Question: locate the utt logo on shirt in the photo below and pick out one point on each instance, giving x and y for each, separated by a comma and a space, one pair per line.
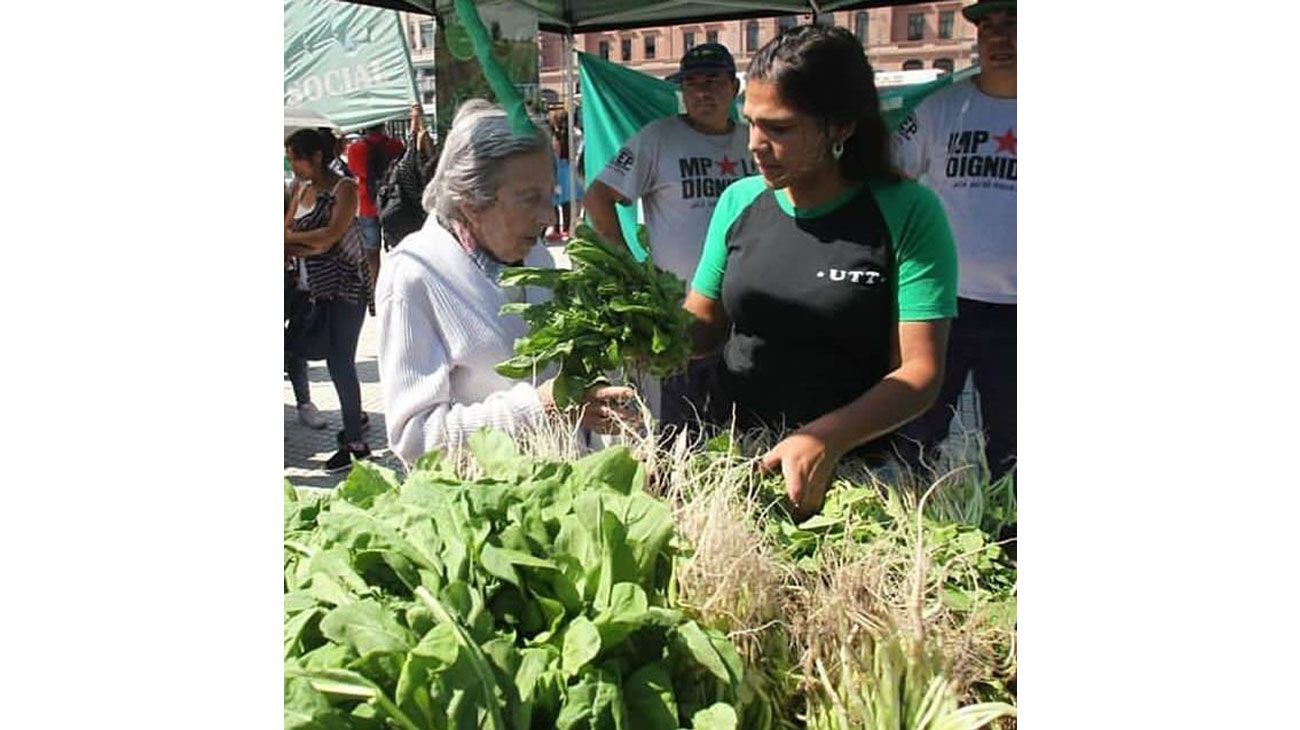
969, 156
866, 278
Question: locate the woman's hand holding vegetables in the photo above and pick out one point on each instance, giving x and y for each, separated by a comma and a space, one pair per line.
807, 461
602, 408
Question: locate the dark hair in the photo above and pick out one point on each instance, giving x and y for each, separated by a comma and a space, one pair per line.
331, 142
306, 142
823, 72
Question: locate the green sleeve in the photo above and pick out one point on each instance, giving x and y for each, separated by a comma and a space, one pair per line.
713, 260
924, 252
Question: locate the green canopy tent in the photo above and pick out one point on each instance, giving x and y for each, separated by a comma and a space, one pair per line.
346, 66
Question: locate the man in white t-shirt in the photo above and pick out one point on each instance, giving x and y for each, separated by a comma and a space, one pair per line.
961, 142
678, 167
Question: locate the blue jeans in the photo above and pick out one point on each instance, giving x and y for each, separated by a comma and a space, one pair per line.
371, 234
345, 320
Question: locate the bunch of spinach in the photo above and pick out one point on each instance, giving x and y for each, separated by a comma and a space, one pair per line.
976, 569
975, 566
609, 312
535, 597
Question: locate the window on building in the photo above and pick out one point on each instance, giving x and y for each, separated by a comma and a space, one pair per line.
711, 36
915, 26
913, 65
751, 36
688, 40
945, 23
649, 46
944, 64
604, 50
786, 22
430, 97
426, 34
860, 26
626, 48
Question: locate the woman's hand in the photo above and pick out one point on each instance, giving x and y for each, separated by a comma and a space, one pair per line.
602, 407
605, 408
808, 457
808, 461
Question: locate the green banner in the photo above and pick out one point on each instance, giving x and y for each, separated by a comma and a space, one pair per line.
346, 63
617, 101
511, 29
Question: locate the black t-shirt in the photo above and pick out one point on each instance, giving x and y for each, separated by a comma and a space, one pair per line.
815, 297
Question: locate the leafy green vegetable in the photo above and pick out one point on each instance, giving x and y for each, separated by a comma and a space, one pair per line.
533, 597
717, 717
543, 595
609, 313
855, 514
581, 645
692, 640
648, 693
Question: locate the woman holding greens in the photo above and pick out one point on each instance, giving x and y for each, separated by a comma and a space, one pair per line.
827, 280
441, 333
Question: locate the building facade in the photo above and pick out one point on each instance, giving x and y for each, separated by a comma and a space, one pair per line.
913, 37
419, 41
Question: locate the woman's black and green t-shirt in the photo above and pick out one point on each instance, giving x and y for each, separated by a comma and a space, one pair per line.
815, 296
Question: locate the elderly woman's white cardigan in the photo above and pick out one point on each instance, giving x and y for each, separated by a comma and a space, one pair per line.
440, 335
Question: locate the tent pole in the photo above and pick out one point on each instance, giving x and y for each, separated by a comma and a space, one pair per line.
568, 108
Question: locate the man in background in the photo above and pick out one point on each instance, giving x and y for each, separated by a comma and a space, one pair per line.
961, 142
678, 167
368, 160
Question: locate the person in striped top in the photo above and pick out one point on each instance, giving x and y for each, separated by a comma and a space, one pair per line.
320, 231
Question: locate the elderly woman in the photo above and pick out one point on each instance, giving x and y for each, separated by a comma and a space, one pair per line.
440, 328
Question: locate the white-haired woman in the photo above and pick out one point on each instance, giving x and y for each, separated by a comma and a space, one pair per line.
440, 328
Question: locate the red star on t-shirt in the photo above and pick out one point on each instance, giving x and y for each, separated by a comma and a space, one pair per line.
1007, 142
728, 166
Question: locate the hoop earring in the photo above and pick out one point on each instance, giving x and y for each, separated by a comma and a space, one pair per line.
837, 150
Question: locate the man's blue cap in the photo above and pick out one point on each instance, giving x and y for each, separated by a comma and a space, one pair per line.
705, 57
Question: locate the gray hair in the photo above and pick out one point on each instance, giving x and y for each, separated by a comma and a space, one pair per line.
469, 171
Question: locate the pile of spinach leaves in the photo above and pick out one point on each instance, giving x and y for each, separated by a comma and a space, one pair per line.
535, 597
609, 313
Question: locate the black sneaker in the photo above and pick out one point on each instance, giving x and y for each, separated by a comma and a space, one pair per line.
342, 459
